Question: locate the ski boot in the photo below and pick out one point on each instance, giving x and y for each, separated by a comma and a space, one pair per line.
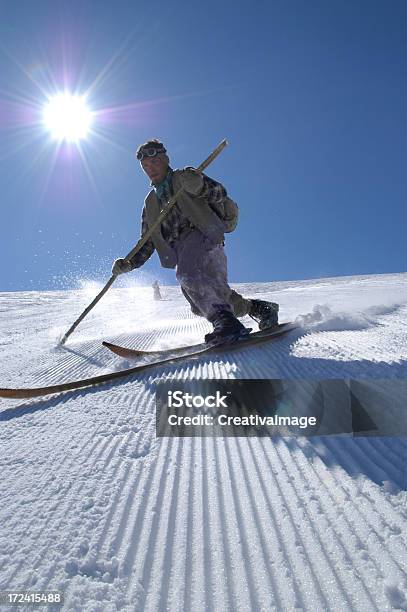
264, 313
226, 328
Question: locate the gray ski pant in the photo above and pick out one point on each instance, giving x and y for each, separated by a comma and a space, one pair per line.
202, 274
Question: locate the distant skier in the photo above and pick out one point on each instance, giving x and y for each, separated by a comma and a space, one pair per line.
191, 239
157, 292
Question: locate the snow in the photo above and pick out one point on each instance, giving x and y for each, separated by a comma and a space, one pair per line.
94, 505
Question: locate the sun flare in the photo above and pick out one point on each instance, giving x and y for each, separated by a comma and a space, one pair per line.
67, 117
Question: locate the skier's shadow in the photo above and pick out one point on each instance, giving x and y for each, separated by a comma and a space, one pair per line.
81, 354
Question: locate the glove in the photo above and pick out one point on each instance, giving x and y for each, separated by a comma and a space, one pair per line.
192, 182
120, 266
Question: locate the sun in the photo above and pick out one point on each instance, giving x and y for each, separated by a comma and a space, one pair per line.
67, 117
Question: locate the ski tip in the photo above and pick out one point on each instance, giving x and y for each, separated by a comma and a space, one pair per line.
16, 393
6, 393
113, 347
122, 351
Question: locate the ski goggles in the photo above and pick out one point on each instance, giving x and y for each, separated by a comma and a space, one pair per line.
150, 152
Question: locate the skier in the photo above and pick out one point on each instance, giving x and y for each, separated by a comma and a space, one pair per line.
191, 239
156, 289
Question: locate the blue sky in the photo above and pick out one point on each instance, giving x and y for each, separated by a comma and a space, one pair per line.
311, 96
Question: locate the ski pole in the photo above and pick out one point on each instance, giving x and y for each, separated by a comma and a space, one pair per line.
143, 240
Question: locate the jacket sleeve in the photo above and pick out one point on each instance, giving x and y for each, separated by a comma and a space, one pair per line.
146, 250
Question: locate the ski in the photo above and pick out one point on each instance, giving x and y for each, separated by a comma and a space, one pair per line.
255, 338
130, 353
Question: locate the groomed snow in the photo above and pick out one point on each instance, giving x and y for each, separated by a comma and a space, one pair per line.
94, 505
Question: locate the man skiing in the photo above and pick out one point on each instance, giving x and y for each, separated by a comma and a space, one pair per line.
156, 289
191, 239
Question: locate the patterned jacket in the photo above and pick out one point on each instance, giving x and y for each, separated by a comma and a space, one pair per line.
213, 193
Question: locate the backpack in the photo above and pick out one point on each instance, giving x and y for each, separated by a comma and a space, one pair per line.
231, 215
230, 207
